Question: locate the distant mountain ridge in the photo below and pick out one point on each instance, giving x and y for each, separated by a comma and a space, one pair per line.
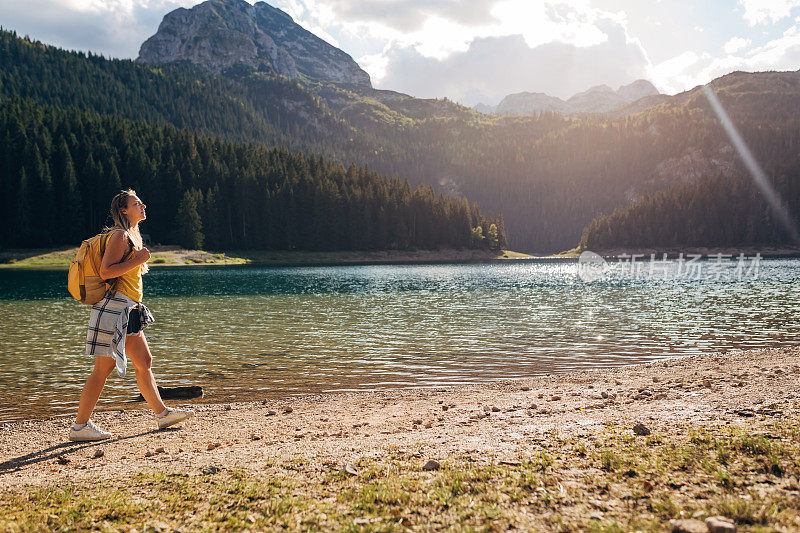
598, 99
220, 34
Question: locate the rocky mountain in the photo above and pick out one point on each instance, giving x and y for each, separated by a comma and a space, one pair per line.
220, 34
525, 103
636, 90
599, 99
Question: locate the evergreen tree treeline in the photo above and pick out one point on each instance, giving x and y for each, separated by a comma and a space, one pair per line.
712, 212
59, 169
549, 175
236, 106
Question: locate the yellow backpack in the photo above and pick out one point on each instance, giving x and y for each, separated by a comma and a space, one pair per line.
84, 281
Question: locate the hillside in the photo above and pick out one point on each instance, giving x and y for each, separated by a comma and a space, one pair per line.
549, 175
715, 212
62, 166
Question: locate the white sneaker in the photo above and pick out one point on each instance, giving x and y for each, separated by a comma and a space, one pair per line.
88, 432
173, 416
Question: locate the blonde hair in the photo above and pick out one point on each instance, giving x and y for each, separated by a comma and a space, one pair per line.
118, 203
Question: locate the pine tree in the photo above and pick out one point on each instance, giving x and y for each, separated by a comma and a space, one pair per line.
22, 217
492, 240
478, 240
188, 223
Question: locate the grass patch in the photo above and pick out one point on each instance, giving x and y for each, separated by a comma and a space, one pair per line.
161, 255
612, 481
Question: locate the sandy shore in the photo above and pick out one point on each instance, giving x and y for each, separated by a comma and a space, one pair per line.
501, 424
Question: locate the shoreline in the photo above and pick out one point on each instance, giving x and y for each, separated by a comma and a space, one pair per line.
174, 256
166, 256
707, 252
548, 453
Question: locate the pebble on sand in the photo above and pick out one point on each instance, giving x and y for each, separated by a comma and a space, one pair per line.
720, 524
688, 525
431, 465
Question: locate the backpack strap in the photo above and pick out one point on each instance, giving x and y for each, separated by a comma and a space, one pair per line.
103, 243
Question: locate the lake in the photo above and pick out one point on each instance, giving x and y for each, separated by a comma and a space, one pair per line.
246, 332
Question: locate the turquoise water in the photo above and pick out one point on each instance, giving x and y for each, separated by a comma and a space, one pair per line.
251, 332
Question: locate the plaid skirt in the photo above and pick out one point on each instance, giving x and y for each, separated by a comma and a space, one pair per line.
108, 327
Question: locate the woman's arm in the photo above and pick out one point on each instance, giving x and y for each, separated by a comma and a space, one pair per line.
111, 267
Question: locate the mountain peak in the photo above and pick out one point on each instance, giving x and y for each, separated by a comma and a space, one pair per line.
599, 89
597, 99
219, 34
637, 89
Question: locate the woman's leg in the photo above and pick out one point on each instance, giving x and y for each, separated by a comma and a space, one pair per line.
103, 366
137, 349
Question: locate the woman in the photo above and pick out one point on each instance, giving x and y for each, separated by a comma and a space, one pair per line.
116, 322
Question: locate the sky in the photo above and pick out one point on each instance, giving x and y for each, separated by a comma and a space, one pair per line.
478, 51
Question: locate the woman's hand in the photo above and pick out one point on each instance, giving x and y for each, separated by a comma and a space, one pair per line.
141, 256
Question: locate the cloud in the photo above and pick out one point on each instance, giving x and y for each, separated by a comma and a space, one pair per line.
374, 64
691, 69
517, 45
677, 73
782, 53
114, 28
438, 35
765, 11
406, 16
735, 44
493, 67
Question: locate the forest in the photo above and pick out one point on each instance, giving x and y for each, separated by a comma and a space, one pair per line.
59, 169
550, 176
713, 212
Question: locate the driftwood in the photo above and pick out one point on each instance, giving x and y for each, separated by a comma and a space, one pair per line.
176, 393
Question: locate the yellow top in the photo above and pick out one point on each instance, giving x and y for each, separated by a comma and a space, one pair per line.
130, 283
